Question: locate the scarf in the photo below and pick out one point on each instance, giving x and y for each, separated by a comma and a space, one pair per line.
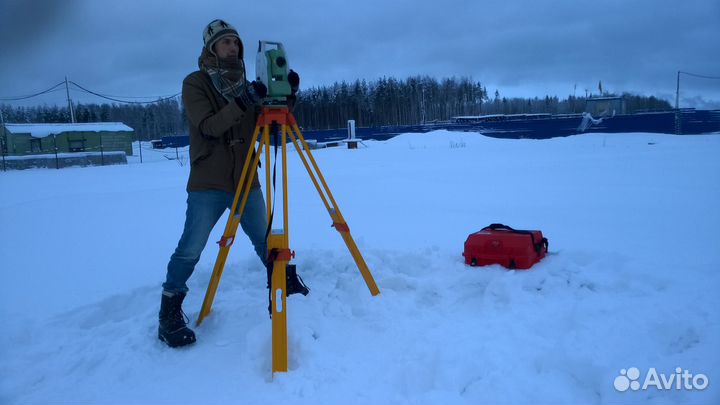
227, 74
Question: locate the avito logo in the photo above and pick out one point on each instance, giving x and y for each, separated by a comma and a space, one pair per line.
679, 380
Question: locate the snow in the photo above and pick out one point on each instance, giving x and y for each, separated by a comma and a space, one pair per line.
632, 280
45, 130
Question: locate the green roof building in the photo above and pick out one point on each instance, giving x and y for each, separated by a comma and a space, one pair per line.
39, 139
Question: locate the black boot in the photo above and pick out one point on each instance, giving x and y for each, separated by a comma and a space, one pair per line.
294, 283
173, 328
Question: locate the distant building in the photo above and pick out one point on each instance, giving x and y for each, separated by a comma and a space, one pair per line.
39, 139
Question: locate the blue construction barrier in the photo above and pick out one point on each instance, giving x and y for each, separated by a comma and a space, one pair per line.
531, 126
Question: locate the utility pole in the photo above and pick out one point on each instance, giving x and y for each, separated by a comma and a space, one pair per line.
423, 105
140, 147
678, 117
677, 92
70, 106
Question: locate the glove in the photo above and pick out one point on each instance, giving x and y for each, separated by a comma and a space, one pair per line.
294, 81
252, 94
258, 91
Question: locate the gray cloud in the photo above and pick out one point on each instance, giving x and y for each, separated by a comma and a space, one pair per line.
522, 47
24, 23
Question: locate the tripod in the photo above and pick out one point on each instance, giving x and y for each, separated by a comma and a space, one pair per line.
279, 122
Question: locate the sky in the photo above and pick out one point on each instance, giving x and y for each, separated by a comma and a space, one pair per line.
521, 48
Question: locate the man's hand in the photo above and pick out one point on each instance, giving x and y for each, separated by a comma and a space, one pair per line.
257, 91
253, 94
294, 81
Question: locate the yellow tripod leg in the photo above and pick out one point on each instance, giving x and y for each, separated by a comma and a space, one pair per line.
280, 243
231, 226
279, 303
332, 207
342, 227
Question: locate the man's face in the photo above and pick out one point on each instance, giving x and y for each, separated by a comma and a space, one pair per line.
227, 47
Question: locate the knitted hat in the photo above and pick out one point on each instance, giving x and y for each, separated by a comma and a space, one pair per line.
218, 29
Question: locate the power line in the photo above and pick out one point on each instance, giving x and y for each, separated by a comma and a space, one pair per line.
126, 97
677, 91
700, 76
32, 95
119, 100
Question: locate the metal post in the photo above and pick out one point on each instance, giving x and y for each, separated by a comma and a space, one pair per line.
57, 161
678, 117
574, 99
677, 92
70, 106
2, 145
3, 139
140, 147
102, 153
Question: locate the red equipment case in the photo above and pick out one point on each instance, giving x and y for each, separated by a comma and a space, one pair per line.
501, 244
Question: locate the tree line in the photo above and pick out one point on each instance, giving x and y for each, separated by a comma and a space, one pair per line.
422, 99
149, 121
386, 101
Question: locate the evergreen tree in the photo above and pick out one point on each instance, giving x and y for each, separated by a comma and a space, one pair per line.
385, 101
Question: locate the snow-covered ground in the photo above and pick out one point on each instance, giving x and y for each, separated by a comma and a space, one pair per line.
634, 227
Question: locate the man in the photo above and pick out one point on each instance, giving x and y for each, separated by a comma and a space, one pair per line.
222, 108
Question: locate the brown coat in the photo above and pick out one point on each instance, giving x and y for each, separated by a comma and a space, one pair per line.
220, 135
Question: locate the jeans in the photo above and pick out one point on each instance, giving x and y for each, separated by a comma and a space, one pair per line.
204, 208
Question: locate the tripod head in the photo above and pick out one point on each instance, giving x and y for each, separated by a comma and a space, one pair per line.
271, 68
